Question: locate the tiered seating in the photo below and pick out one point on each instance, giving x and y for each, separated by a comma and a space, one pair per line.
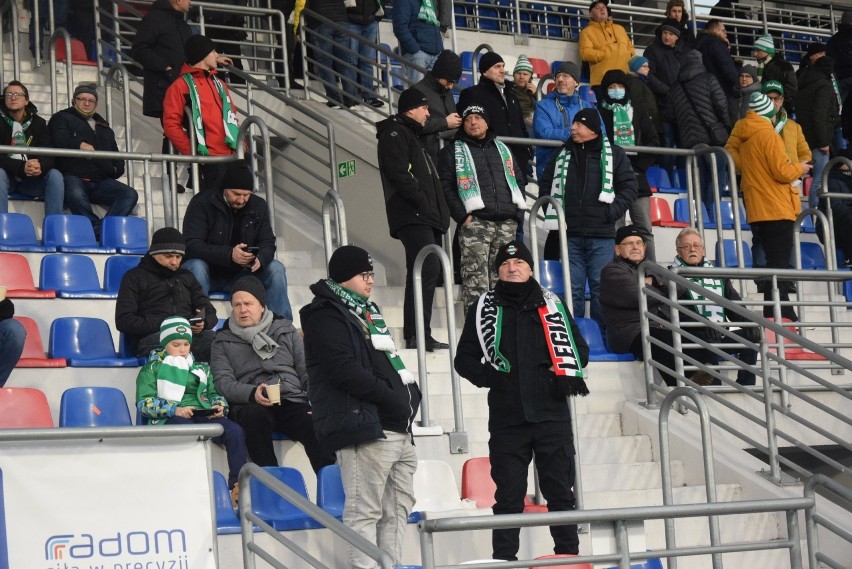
813, 257
597, 347
85, 342
33, 354
275, 510
792, 351
114, 271
661, 214
16, 276
127, 235
227, 521
659, 181
71, 234
330, 495
478, 486
550, 276
71, 276
78, 53
17, 233
94, 407
731, 254
24, 408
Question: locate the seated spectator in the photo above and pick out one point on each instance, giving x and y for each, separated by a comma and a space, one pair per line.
95, 180
12, 337
157, 288
34, 175
229, 235
214, 115
176, 389
524, 89
839, 182
255, 350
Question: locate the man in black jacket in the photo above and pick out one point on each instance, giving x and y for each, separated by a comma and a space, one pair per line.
437, 86
713, 44
229, 235
158, 288
414, 200
364, 401
521, 343
94, 180
771, 66
595, 183
839, 47
481, 187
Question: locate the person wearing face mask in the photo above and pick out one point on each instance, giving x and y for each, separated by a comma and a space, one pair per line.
627, 124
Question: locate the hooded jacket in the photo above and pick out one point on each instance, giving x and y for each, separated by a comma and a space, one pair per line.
718, 61
698, 100
605, 46
794, 142
413, 193
158, 44
552, 121
69, 128
441, 105
818, 112
355, 392
175, 123
37, 134
777, 69
585, 215
766, 171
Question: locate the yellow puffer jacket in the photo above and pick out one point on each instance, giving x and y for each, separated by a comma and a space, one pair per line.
605, 46
759, 154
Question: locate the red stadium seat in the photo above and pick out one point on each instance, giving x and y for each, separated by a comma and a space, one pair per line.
478, 486
33, 354
661, 214
792, 351
24, 408
78, 52
568, 566
15, 275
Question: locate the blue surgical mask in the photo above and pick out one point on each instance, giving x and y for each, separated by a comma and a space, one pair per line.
615, 94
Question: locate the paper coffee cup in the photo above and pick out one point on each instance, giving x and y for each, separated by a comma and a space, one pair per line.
2, 293
273, 393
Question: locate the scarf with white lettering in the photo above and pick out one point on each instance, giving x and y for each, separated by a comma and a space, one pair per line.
622, 123
711, 312
780, 120
18, 136
560, 180
368, 312
468, 183
427, 12
557, 333
229, 119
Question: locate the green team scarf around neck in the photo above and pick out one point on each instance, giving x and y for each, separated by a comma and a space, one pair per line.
622, 123
711, 312
427, 13
18, 128
560, 180
229, 119
467, 182
836, 86
380, 336
781, 120
557, 333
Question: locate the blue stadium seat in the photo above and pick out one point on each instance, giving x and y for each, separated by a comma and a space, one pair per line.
807, 223
85, 342
125, 352
682, 213
652, 563
588, 94
94, 407
727, 214
813, 257
71, 276
15, 275
488, 17
330, 496
71, 234
731, 254
127, 235
550, 276
17, 233
114, 271
658, 178
847, 292
275, 510
227, 522
597, 348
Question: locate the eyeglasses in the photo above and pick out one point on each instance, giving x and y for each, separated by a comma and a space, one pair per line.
85, 100
367, 276
690, 247
15, 95
634, 243
776, 98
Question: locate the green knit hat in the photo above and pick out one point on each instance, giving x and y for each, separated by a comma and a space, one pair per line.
765, 43
523, 64
762, 105
771, 86
175, 328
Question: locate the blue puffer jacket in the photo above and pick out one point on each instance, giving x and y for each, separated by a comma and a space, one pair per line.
412, 34
550, 123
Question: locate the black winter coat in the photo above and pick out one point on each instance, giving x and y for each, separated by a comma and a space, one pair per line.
776, 69
505, 116
441, 105
490, 172
150, 292
585, 215
355, 392
413, 193
69, 128
212, 228
619, 298
527, 393
158, 44
718, 61
839, 48
697, 92
640, 93
645, 134
665, 65
38, 135
818, 113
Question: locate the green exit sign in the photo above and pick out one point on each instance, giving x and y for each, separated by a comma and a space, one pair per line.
346, 169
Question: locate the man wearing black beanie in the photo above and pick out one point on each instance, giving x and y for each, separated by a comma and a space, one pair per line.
437, 86
414, 201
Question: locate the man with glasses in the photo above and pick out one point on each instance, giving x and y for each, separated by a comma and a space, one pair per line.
91, 180
34, 176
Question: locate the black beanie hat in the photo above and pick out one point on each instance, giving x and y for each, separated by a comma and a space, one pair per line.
448, 66
252, 285
814, 48
488, 60
411, 98
238, 176
197, 48
513, 250
474, 110
614, 76
348, 261
590, 118
167, 240
671, 25
628, 231
88, 88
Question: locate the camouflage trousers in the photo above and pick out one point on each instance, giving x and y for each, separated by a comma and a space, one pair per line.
479, 241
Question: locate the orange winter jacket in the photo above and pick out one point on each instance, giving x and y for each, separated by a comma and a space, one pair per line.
605, 46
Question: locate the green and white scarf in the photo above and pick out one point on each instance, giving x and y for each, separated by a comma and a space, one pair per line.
368, 312
560, 179
229, 119
18, 132
427, 12
780, 120
557, 333
711, 312
173, 375
836, 86
468, 183
622, 123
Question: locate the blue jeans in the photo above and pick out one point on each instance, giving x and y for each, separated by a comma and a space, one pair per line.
363, 56
49, 186
820, 161
330, 45
273, 277
12, 336
422, 59
233, 439
587, 257
80, 195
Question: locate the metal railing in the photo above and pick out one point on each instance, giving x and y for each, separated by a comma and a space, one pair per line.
338, 233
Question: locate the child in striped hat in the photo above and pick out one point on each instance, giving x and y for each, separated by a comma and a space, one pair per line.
174, 389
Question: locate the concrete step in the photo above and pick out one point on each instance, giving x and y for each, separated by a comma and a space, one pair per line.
654, 496
621, 449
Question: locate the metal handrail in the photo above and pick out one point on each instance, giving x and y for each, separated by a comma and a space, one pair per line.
60, 33
563, 242
248, 519
339, 235
11, 7
814, 519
